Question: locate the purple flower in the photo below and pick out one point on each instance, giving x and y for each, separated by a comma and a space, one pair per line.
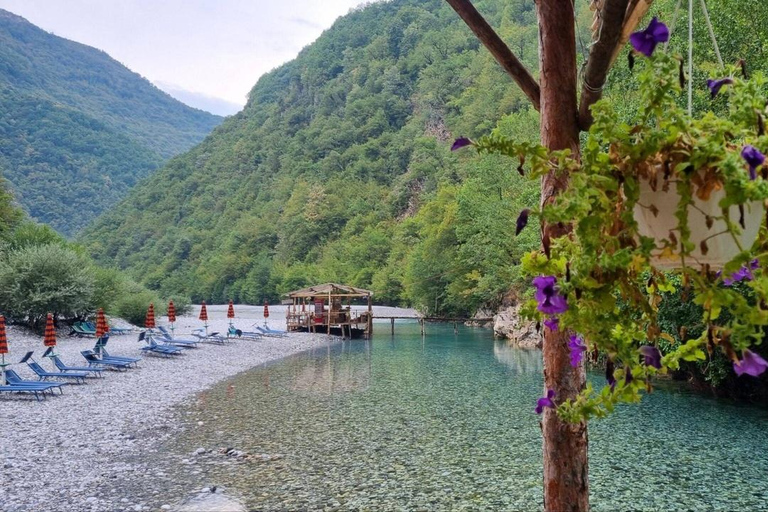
522, 221
577, 347
545, 401
461, 142
646, 40
553, 323
716, 85
754, 158
743, 274
750, 364
651, 356
548, 296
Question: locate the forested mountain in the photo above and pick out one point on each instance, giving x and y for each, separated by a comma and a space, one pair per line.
339, 166
77, 128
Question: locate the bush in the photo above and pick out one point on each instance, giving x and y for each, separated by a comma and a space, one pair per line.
133, 303
36, 280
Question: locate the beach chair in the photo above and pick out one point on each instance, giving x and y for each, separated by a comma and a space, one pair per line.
266, 331
13, 379
233, 332
78, 331
166, 337
155, 348
95, 361
213, 337
101, 349
97, 372
38, 393
45, 375
119, 331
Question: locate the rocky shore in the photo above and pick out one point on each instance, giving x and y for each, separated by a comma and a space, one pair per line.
59, 454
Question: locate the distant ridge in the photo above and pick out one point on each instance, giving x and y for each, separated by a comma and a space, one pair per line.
77, 128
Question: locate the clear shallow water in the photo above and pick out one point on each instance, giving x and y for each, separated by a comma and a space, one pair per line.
447, 422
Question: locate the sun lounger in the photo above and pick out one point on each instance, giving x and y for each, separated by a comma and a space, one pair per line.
77, 330
39, 394
64, 368
233, 332
14, 380
155, 348
101, 349
213, 337
272, 334
45, 375
165, 337
95, 361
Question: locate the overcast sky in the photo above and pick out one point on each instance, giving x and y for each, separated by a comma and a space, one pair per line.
205, 51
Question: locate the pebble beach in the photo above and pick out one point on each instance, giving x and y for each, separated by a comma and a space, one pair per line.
59, 454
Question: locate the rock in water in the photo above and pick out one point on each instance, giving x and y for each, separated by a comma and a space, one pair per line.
509, 324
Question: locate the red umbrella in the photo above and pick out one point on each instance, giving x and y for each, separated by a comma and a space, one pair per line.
50, 332
231, 312
149, 321
3, 348
266, 310
171, 312
101, 324
204, 317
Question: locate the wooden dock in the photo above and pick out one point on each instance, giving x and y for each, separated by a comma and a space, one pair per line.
424, 319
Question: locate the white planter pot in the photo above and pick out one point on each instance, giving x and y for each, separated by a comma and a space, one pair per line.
721, 248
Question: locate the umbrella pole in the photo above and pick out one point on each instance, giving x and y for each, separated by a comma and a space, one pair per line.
172, 329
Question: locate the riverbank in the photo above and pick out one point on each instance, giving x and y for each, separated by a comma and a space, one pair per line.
57, 454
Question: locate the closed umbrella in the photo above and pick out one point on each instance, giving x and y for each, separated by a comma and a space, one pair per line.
3, 348
231, 312
266, 312
102, 327
204, 317
149, 321
171, 315
50, 332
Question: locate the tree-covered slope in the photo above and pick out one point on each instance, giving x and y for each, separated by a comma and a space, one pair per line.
78, 129
339, 169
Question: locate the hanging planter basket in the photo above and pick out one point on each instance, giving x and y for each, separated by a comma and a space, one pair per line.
713, 244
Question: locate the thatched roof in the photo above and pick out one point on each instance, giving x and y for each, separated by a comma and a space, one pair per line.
322, 290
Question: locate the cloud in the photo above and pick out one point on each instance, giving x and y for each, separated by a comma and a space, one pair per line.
305, 23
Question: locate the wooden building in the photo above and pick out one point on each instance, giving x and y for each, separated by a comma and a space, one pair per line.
327, 308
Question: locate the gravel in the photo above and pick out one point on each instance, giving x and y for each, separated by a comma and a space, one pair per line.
56, 455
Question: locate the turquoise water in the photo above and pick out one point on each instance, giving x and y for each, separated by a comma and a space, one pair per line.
447, 422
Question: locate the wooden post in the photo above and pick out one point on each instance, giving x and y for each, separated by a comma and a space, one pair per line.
455, 328
566, 485
421, 321
393, 325
369, 327
330, 307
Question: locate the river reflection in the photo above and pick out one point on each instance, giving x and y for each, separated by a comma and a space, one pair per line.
446, 422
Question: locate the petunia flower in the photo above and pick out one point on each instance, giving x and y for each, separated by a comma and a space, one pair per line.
651, 356
545, 401
754, 159
577, 347
461, 142
750, 364
522, 221
716, 85
548, 296
628, 378
553, 323
743, 274
646, 40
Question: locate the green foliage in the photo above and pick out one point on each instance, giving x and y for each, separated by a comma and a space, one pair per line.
132, 304
607, 258
78, 129
37, 280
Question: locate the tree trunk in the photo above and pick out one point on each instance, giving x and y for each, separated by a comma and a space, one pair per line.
565, 445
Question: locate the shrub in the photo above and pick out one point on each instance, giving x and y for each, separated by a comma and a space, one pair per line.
36, 280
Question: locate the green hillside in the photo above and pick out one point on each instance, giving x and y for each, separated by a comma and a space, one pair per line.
78, 129
339, 168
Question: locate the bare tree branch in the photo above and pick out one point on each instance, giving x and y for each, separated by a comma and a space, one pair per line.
498, 49
637, 9
600, 57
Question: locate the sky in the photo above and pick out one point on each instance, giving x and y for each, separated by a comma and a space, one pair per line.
206, 53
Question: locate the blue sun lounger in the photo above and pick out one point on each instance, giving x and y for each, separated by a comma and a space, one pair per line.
155, 348
166, 337
14, 380
100, 348
96, 372
95, 361
266, 331
39, 394
45, 375
234, 332
213, 337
